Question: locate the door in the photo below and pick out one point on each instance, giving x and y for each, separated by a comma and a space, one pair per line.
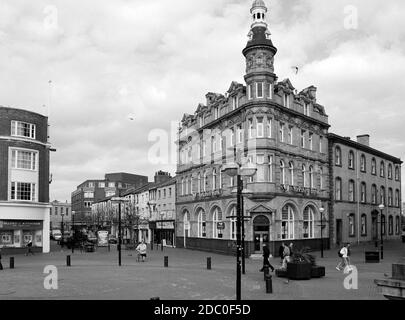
339, 232
374, 228
261, 232
260, 238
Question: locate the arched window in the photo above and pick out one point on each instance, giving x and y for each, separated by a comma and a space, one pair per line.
232, 220
351, 160
291, 173
216, 217
390, 225
186, 224
199, 183
204, 182
382, 195
390, 196
311, 176
397, 198
351, 191
287, 222
396, 173
338, 156
321, 178
363, 225
363, 163
382, 169
186, 185
183, 189
352, 226
397, 225
373, 166
390, 171
374, 194
308, 227
270, 169
363, 192
338, 189
214, 179
383, 224
220, 179
191, 185
202, 224
304, 175
282, 172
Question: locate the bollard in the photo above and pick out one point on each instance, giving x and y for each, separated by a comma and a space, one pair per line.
166, 261
209, 263
266, 272
68, 261
11, 262
269, 284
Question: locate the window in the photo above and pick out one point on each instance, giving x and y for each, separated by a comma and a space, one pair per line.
111, 184
232, 228
282, 172
170, 192
21, 159
240, 133
259, 89
56, 211
382, 169
216, 217
382, 195
390, 194
23, 129
23, 191
216, 113
383, 224
311, 136
290, 135
311, 177
281, 132
287, 222
235, 103
397, 223
291, 173
204, 182
214, 179
270, 92
321, 178
363, 163
397, 198
308, 227
159, 194
250, 91
352, 227
304, 175
363, 225
108, 194
201, 121
351, 160
302, 138
396, 173
286, 100
260, 128
351, 190
374, 194
90, 184
363, 192
269, 127
232, 138
373, 167
202, 231
90, 195
338, 189
250, 124
101, 184
213, 144
204, 148
306, 109
390, 225
270, 169
390, 171
338, 156
320, 144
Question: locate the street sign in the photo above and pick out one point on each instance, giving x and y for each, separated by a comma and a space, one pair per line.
220, 225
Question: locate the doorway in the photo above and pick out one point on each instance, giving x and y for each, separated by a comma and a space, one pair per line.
261, 232
339, 232
374, 225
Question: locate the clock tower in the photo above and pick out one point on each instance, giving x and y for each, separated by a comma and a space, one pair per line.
259, 53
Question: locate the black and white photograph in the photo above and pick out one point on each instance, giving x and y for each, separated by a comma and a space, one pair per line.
208, 151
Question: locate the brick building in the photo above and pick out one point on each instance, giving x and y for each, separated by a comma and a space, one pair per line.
58, 210
24, 180
265, 122
362, 179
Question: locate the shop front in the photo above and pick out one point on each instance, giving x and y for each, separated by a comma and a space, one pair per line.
18, 233
163, 232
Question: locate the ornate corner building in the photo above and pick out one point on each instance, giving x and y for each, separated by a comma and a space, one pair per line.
265, 122
24, 180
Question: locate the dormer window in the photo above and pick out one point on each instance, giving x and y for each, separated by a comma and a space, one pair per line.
306, 109
23, 129
235, 103
286, 100
216, 113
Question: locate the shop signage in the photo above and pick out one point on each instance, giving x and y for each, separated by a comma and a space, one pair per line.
220, 225
20, 224
165, 225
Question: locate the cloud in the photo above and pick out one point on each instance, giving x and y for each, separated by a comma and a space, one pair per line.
157, 59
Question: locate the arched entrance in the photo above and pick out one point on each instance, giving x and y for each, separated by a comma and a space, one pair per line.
261, 232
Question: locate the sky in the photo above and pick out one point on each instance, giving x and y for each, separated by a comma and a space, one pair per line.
114, 75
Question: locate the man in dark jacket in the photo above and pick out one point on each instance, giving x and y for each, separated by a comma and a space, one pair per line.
266, 256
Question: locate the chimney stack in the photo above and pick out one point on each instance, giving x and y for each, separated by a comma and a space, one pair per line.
364, 139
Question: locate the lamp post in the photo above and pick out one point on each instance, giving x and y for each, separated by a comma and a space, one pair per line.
74, 232
321, 210
62, 231
381, 207
119, 200
233, 170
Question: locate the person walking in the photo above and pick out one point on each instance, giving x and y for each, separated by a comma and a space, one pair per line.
141, 248
266, 256
343, 254
29, 249
286, 256
280, 252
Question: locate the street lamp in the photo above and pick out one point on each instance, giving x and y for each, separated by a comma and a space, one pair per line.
321, 210
119, 200
74, 232
381, 207
61, 241
237, 170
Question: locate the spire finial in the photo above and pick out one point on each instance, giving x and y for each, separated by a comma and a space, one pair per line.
258, 12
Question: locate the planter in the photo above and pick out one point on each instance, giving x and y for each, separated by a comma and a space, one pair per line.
299, 271
317, 272
281, 273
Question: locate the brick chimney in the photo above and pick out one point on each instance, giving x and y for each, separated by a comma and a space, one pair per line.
364, 139
162, 176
